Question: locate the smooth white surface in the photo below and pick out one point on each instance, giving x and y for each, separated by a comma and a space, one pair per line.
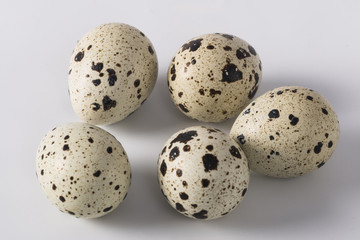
310, 43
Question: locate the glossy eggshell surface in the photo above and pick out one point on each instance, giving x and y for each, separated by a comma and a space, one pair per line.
213, 76
287, 132
113, 69
203, 173
83, 170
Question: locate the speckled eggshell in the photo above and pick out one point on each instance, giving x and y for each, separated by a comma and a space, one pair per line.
203, 173
214, 76
83, 170
287, 132
113, 69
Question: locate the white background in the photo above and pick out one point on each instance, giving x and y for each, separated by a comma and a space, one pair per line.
314, 44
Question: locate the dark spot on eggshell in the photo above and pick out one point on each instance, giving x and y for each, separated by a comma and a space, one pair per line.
227, 48
235, 152
210, 47
227, 36
243, 192
180, 207
252, 50
186, 148
174, 153
205, 182
317, 148
247, 111
183, 196
309, 98
117, 187
96, 82
192, 45
163, 151
42, 172
210, 162
242, 53
241, 139
95, 106
209, 147
90, 140
97, 67
321, 164
294, 120
70, 212
109, 150
253, 92
136, 82
62, 198
330, 144
97, 173
89, 47
107, 209
214, 92
112, 76
201, 91
324, 111
54, 187
184, 137
79, 56
66, 147
271, 137
274, 113
179, 172
172, 69
108, 103
279, 92
163, 168
151, 51
231, 73
201, 215
183, 108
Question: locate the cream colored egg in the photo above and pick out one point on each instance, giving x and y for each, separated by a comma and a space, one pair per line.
83, 170
287, 132
214, 76
203, 173
113, 69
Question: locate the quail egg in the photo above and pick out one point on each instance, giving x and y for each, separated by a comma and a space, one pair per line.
214, 76
113, 69
203, 173
83, 170
287, 132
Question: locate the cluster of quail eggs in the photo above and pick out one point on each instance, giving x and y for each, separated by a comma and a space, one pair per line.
203, 172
